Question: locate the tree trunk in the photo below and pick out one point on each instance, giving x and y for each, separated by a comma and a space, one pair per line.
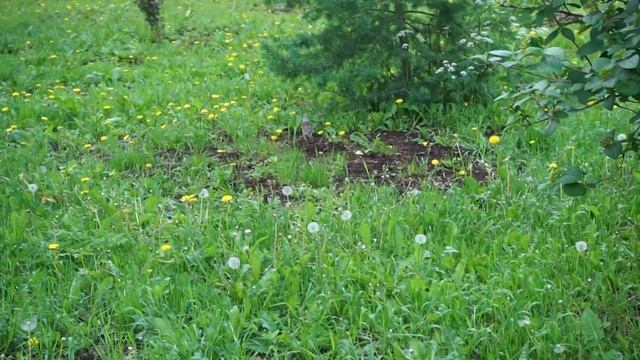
405, 63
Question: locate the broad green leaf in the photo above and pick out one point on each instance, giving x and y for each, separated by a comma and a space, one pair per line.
568, 34
532, 50
540, 85
628, 87
551, 127
613, 150
555, 51
572, 174
551, 36
574, 189
630, 63
595, 45
591, 329
501, 53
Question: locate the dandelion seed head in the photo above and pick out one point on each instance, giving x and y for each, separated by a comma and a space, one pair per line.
203, 194
287, 190
346, 215
525, 321
29, 324
581, 246
420, 239
313, 227
559, 349
233, 262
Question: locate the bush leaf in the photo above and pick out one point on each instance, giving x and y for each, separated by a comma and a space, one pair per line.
614, 150
574, 189
571, 175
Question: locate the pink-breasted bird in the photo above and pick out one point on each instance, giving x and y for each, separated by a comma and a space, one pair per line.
307, 128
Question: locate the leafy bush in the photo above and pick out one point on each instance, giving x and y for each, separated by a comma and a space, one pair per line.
377, 52
151, 10
603, 68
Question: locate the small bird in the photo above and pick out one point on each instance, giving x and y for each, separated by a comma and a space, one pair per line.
307, 128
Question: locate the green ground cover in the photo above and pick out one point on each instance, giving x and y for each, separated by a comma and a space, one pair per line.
111, 249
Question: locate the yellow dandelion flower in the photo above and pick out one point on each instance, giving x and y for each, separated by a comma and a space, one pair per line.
274, 137
494, 139
5, 109
462, 172
103, 138
53, 246
531, 142
342, 133
189, 198
33, 341
227, 198
399, 101
424, 143
553, 165
327, 123
85, 179
107, 107
11, 128
435, 162
140, 117
76, 90
165, 247
87, 146
14, 94
148, 165
44, 118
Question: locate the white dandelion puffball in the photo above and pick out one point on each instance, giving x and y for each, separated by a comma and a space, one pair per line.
233, 262
558, 349
346, 215
581, 246
421, 238
313, 227
203, 194
525, 321
287, 190
621, 137
29, 324
32, 188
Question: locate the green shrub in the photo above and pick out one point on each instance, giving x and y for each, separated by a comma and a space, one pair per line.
601, 67
151, 10
375, 52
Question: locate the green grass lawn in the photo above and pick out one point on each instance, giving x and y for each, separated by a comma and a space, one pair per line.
111, 249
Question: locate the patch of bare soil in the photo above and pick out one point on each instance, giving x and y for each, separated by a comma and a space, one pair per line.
396, 152
390, 166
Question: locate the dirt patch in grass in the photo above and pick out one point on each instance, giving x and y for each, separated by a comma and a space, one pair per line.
400, 159
88, 354
397, 151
